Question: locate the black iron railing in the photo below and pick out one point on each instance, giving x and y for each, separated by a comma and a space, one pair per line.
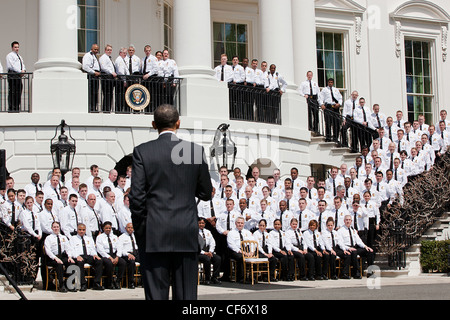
345, 132
254, 104
15, 92
108, 94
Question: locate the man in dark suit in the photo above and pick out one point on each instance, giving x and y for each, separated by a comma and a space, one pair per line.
168, 174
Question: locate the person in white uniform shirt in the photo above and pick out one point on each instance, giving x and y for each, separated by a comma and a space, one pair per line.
234, 239
30, 221
58, 254
124, 213
263, 213
70, 218
224, 72
354, 246
12, 210
330, 100
299, 250
109, 75
316, 247
91, 66
122, 71
373, 214
34, 186
334, 181
127, 249
107, 249
207, 255
84, 251
281, 249
16, 68
377, 118
109, 212
309, 89
262, 236
91, 217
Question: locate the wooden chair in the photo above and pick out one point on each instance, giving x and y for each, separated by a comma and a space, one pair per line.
137, 275
251, 260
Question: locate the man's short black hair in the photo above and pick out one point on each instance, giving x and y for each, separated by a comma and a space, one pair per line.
166, 116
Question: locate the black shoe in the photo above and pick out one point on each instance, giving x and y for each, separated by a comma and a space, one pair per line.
215, 281
83, 288
273, 280
324, 277
116, 284
357, 276
63, 289
311, 279
334, 278
131, 285
319, 278
206, 282
345, 277
98, 287
303, 279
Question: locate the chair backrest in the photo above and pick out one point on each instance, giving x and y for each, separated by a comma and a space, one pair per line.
251, 248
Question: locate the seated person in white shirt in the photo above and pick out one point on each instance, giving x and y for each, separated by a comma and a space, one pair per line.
84, 251
281, 248
354, 246
207, 254
127, 249
316, 247
261, 235
234, 239
299, 250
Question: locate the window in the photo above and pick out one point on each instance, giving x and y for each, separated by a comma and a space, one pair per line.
230, 38
88, 25
168, 28
419, 86
330, 59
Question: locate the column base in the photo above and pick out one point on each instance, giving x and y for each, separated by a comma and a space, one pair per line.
60, 89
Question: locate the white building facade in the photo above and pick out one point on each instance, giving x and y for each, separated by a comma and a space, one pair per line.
394, 53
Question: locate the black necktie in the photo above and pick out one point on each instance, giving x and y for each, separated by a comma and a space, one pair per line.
130, 67
332, 96
145, 65
34, 221
213, 214
310, 89
351, 238
263, 241
134, 245
222, 76
334, 187
84, 246
111, 250
57, 194
13, 216
379, 122
332, 240
20, 60
355, 224
314, 239
391, 166
98, 220
59, 246
240, 235
228, 220
280, 240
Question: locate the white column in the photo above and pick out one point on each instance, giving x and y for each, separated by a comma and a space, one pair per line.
58, 82
192, 52
276, 36
192, 37
304, 38
58, 36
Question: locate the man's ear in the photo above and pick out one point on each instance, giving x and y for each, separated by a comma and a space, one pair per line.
154, 125
178, 124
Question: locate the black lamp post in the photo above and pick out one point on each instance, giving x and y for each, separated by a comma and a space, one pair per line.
224, 149
63, 150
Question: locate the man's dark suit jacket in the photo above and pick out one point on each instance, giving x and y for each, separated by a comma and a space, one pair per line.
168, 174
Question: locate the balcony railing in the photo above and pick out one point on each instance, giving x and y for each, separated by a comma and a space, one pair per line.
254, 104
108, 94
15, 92
343, 131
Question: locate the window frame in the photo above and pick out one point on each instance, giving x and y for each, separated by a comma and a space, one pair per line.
85, 30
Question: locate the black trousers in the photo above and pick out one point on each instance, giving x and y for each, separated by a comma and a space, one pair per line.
108, 271
15, 88
287, 264
97, 264
108, 84
94, 86
372, 233
332, 123
239, 264
121, 88
215, 260
331, 264
161, 269
345, 261
313, 112
302, 260
317, 263
60, 268
272, 264
130, 268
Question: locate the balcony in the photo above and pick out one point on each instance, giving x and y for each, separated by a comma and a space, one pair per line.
109, 95
15, 92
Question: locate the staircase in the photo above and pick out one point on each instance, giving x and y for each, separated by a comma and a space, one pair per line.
329, 153
439, 231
